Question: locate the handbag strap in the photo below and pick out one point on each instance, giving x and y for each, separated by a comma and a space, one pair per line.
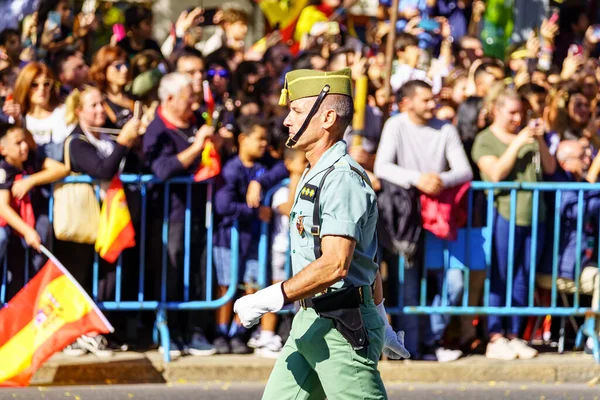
67, 151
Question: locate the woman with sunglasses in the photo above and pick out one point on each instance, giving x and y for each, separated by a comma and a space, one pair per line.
41, 113
110, 72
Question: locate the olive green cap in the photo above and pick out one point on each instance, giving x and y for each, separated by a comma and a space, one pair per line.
303, 83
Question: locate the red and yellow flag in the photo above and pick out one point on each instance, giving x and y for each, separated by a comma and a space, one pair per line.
49, 313
210, 165
115, 230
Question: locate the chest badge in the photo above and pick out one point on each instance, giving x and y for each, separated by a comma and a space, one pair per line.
308, 193
300, 225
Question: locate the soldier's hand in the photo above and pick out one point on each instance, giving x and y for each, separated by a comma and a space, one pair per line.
393, 344
252, 307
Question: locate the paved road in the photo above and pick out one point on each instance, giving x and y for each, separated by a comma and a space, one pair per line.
228, 391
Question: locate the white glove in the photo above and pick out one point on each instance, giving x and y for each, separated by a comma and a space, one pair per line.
393, 343
253, 306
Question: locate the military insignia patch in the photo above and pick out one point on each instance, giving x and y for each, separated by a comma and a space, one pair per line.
300, 225
308, 193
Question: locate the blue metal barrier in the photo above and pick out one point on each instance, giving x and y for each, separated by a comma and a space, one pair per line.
161, 304
471, 251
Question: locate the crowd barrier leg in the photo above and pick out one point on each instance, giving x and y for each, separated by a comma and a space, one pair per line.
163, 330
588, 329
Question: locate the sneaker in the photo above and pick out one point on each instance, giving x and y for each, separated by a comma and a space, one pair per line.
270, 349
255, 340
200, 346
500, 350
74, 350
519, 346
238, 345
222, 345
447, 355
97, 345
174, 349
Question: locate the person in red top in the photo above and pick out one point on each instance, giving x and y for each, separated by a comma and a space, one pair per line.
22, 170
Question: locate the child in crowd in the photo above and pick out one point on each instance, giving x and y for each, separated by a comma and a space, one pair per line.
273, 160
22, 208
230, 205
265, 341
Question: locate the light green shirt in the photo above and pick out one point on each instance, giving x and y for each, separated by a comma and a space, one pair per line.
348, 207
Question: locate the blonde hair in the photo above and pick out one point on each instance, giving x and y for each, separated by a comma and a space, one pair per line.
74, 102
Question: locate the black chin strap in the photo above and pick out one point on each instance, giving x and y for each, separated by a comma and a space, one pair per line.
291, 142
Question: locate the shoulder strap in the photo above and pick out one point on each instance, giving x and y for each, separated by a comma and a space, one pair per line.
315, 231
109, 112
67, 151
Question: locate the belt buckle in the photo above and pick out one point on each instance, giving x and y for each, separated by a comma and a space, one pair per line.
361, 294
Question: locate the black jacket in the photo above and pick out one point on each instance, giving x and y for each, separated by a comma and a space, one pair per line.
400, 222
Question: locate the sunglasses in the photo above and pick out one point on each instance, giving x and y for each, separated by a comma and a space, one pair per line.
120, 65
222, 73
46, 84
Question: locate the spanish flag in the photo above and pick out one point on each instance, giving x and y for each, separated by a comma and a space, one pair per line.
210, 164
49, 313
115, 230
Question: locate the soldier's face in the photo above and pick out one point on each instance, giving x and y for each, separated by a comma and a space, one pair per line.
299, 110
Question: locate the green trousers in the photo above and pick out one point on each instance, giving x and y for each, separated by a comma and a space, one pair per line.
317, 362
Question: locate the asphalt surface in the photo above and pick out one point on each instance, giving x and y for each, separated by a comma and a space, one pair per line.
227, 391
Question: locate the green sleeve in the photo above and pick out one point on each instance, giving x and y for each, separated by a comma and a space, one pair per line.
345, 205
483, 146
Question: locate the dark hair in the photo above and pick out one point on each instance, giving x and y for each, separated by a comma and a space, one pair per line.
60, 59
466, 118
44, 9
134, 15
529, 89
6, 34
403, 40
247, 123
240, 78
568, 16
278, 133
220, 58
267, 57
486, 65
304, 60
185, 52
5, 128
409, 89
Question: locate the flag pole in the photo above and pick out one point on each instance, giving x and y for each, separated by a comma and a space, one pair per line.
389, 49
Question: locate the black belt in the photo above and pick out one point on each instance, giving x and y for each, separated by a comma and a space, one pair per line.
364, 293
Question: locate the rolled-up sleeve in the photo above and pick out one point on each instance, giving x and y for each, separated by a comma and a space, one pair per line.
345, 204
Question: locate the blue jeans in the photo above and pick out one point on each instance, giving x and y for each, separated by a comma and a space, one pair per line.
439, 322
521, 269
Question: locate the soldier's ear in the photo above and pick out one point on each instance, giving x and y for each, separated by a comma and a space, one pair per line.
329, 118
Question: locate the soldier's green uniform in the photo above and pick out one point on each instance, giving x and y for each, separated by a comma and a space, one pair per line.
317, 361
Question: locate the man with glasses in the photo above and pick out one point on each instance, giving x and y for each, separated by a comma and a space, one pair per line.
189, 61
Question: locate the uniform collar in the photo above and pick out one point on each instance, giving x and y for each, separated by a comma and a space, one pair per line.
330, 157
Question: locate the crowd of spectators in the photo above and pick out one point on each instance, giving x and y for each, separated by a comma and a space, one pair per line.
454, 112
